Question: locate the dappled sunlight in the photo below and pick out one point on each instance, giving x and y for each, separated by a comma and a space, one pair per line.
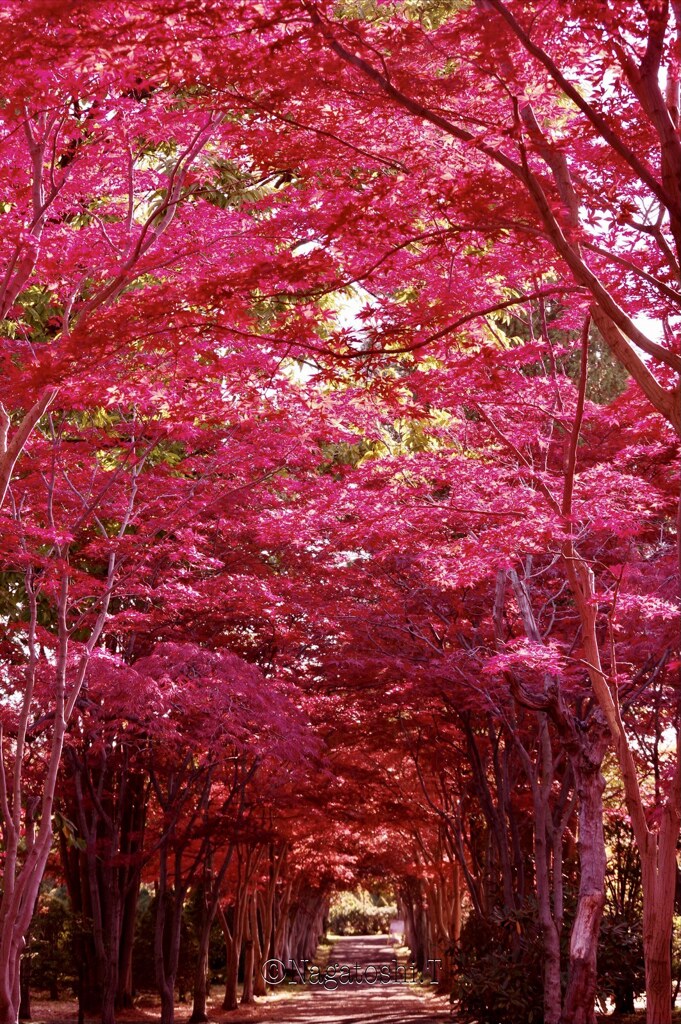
361, 1002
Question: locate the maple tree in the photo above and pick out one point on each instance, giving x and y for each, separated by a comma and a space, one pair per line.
340, 396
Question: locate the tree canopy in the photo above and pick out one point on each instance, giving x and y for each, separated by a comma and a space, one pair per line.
339, 482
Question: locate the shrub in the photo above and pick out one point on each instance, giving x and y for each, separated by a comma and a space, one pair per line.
360, 913
621, 971
499, 969
48, 959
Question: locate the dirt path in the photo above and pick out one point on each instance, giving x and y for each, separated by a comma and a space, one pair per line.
365, 1001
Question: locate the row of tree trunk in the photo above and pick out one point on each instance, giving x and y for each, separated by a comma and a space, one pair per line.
265, 911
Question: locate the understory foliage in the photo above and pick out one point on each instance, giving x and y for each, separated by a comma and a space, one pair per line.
360, 913
339, 496
498, 970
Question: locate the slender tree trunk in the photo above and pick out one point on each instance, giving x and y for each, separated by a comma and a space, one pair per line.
167, 934
656, 849
133, 825
413, 934
22, 881
550, 934
541, 775
457, 914
100, 876
167, 1004
580, 997
233, 942
108, 1010
124, 995
261, 952
659, 869
200, 986
231, 1002
24, 984
258, 980
22, 871
266, 904
73, 865
249, 953
106, 926
167, 994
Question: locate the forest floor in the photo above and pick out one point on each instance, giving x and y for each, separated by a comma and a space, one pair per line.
360, 1002
394, 1001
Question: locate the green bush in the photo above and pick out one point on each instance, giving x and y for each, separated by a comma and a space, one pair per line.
621, 971
144, 968
48, 959
499, 970
360, 913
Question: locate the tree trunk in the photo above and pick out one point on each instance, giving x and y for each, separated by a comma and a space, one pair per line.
233, 942
624, 998
550, 933
231, 1002
262, 948
108, 1010
457, 915
657, 849
167, 994
10, 985
19, 898
134, 820
250, 951
108, 947
125, 994
200, 985
24, 985
200, 988
580, 997
167, 935
247, 993
22, 873
233, 938
658, 912
259, 987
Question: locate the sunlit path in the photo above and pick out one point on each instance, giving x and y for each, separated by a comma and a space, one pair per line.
362, 1001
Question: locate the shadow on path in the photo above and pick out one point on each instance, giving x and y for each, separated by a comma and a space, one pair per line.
360, 1001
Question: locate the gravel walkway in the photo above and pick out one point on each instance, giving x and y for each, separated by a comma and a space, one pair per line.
365, 1001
